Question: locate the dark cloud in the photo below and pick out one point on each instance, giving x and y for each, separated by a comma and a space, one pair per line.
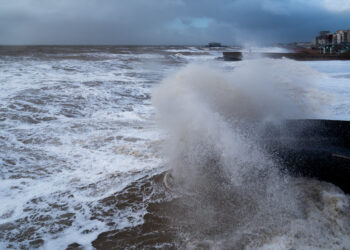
168, 21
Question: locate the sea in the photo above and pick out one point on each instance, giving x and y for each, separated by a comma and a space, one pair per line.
147, 147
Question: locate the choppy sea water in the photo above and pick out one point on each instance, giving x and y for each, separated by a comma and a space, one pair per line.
136, 147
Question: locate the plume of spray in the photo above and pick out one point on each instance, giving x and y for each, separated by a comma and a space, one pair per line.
214, 119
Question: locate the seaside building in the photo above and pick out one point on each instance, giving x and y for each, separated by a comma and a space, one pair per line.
343, 36
323, 38
328, 42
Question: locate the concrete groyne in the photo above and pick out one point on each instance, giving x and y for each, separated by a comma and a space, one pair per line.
312, 148
237, 56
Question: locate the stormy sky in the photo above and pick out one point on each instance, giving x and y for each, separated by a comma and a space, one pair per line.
177, 22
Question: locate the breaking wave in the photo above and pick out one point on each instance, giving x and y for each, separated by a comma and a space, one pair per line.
233, 193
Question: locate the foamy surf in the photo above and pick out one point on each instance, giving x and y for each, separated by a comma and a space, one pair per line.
85, 165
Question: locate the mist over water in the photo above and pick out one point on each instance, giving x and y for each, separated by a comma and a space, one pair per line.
236, 194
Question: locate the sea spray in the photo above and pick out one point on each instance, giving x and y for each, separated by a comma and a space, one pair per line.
216, 115
234, 194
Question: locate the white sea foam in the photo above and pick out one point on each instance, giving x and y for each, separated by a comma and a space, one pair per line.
257, 49
75, 131
100, 139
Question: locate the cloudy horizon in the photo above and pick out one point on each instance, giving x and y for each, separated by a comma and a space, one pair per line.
175, 22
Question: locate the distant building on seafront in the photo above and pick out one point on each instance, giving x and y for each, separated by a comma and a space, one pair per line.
328, 42
342, 36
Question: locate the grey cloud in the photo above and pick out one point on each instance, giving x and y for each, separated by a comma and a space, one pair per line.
148, 21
